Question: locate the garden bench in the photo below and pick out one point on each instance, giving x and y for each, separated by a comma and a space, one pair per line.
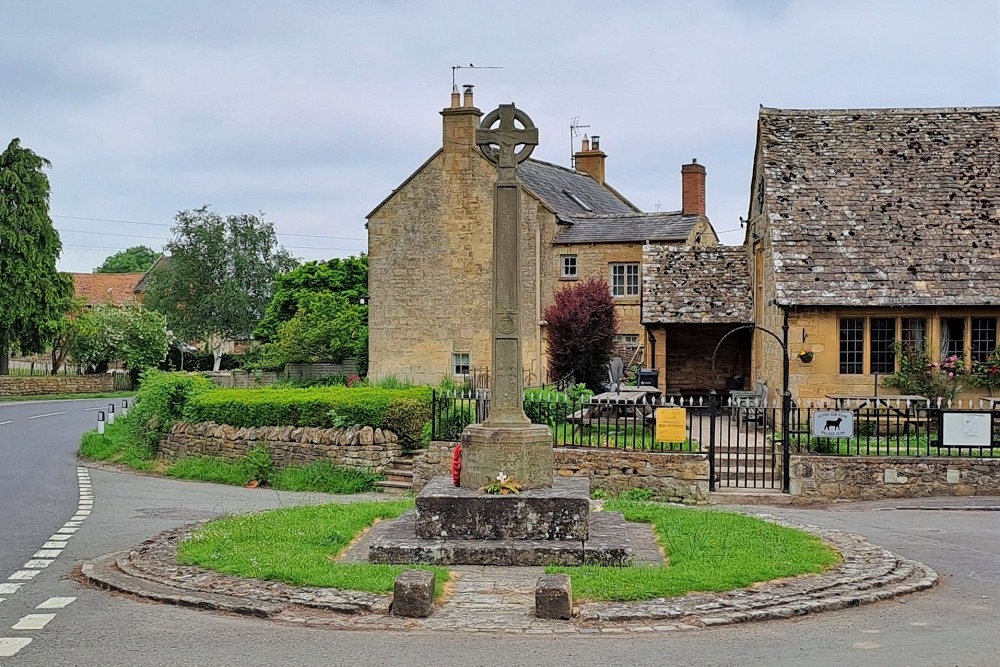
751, 406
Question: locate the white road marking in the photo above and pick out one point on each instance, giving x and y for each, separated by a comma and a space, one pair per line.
56, 603
92, 409
9, 646
54, 545
60, 537
47, 414
23, 575
47, 553
33, 622
9, 589
83, 513
72, 524
6, 422
39, 563
64, 529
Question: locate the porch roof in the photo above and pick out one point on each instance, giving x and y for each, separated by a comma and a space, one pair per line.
681, 284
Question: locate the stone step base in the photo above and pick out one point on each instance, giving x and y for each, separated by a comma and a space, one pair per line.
748, 496
395, 542
394, 488
397, 475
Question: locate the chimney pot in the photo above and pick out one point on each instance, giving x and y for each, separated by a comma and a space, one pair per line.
467, 98
595, 142
585, 144
456, 99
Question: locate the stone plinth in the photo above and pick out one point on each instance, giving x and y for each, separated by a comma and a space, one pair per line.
557, 513
413, 594
523, 453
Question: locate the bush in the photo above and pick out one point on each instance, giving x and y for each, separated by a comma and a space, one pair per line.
403, 411
552, 407
581, 332
160, 401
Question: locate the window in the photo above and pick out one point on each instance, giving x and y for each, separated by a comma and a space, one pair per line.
883, 340
625, 279
914, 333
568, 266
984, 337
627, 340
953, 337
852, 345
460, 363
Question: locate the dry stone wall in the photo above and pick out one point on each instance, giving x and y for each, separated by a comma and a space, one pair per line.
873, 478
354, 447
674, 477
52, 384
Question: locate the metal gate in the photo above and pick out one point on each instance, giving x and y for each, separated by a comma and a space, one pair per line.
747, 447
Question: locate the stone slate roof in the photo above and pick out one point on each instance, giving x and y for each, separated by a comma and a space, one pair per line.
685, 285
106, 288
627, 227
551, 183
885, 207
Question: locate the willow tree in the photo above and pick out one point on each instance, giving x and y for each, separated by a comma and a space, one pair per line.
32, 292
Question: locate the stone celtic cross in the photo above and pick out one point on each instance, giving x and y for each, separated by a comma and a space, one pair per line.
500, 146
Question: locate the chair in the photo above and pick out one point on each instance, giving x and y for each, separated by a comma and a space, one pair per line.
751, 406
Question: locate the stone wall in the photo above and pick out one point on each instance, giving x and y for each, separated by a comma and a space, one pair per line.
354, 447
672, 477
11, 385
873, 478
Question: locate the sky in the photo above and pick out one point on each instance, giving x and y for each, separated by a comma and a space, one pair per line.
311, 112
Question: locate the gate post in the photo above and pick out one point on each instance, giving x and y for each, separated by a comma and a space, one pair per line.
712, 413
786, 409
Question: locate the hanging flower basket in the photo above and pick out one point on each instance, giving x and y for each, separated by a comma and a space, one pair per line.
806, 356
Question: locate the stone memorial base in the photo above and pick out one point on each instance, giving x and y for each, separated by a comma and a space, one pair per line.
523, 453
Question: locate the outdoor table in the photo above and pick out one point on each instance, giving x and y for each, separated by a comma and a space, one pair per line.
628, 403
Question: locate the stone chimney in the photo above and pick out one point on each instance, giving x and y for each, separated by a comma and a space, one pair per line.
461, 119
591, 158
693, 189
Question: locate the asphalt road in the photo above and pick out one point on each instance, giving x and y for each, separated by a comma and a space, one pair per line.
955, 624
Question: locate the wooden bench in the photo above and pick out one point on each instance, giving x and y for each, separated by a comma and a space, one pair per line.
751, 406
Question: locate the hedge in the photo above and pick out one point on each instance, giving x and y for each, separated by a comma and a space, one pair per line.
160, 402
403, 411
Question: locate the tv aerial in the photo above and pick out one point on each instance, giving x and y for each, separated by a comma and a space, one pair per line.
455, 68
574, 132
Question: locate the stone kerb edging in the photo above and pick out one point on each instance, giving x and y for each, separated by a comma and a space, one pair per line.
867, 574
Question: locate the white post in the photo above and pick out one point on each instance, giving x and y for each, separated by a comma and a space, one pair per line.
100, 422
124, 407
111, 414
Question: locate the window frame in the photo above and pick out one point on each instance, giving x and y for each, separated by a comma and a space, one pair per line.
457, 365
624, 285
563, 261
857, 346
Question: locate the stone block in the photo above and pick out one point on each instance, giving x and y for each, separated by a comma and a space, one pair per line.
554, 597
413, 594
522, 453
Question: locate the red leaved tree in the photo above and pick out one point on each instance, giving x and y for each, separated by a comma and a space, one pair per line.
580, 332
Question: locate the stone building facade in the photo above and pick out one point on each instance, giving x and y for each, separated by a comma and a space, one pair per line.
430, 252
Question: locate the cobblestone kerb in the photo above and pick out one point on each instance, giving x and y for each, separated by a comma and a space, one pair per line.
501, 599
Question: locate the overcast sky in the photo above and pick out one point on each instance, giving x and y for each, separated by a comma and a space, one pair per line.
312, 112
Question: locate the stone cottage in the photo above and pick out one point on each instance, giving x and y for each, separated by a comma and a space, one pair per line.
430, 244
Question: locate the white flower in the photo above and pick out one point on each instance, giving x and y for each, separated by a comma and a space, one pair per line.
502, 477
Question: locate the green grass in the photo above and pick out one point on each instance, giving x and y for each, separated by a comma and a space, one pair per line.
115, 446
297, 546
706, 550
67, 397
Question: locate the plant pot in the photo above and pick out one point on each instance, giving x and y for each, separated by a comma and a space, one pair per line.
806, 358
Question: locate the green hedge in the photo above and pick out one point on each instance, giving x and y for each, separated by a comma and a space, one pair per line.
160, 402
403, 411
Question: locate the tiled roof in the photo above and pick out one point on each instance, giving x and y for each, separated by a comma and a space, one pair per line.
103, 288
883, 206
681, 284
569, 192
627, 227
161, 262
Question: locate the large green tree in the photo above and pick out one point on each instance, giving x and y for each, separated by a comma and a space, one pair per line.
131, 334
136, 259
347, 277
32, 292
327, 327
218, 278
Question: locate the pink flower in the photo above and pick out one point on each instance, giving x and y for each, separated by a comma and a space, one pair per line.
951, 376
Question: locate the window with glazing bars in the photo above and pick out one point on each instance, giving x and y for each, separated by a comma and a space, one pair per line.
984, 337
624, 280
852, 345
914, 333
953, 337
883, 339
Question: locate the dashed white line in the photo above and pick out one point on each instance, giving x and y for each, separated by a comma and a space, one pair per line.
58, 537
56, 603
48, 414
46, 553
64, 529
6, 422
9, 589
10, 646
39, 563
23, 575
54, 545
33, 622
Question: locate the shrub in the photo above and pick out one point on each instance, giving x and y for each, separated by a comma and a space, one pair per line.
160, 401
552, 407
581, 332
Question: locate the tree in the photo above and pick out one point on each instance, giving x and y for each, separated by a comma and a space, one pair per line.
136, 259
61, 331
219, 277
347, 277
580, 332
132, 334
327, 327
33, 292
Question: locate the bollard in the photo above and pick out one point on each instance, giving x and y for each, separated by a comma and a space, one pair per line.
111, 414
100, 422
124, 407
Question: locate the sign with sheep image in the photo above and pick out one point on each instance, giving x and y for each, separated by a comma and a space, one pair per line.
833, 424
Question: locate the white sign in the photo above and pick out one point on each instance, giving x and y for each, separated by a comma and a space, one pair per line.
833, 424
966, 429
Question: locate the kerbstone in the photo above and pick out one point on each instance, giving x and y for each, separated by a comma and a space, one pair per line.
554, 597
413, 594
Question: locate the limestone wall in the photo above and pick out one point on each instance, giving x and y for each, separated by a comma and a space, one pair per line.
354, 447
11, 385
874, 478
672, 477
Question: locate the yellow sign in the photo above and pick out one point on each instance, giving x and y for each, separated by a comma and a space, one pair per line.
671, 424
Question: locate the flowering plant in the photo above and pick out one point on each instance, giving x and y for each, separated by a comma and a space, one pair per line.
919, 376
502, 486
986, 373
805, 355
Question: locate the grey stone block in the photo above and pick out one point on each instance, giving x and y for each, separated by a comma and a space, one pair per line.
413, 594
554, 597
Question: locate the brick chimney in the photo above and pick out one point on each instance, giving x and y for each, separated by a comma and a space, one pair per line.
693, 189
461, 119
591, 158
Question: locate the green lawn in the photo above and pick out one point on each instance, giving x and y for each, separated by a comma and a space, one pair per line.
67, 397
297, 545
707, 550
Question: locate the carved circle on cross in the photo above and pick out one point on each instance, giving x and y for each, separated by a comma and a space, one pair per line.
507, 136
